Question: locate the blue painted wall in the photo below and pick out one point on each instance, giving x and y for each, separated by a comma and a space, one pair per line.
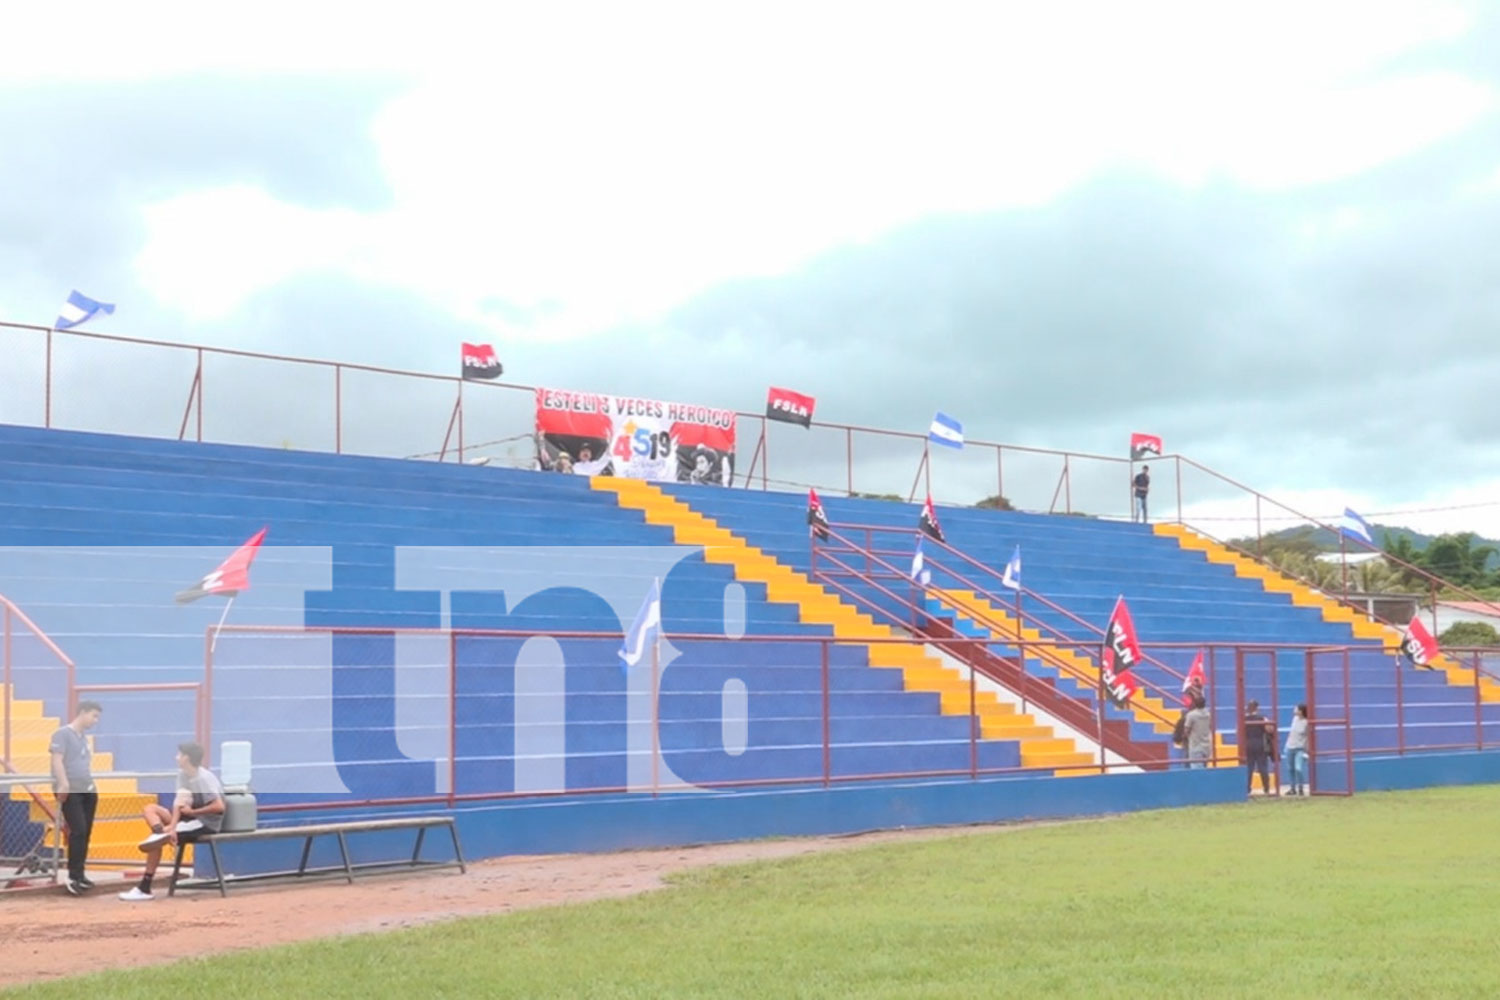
638, 821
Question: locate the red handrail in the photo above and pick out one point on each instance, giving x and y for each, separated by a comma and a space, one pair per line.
1061, 639
11, 614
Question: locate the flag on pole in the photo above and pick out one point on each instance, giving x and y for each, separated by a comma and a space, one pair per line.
1122, 651
789, 407
817, 520
645, 630
946, 431
1351, 525
1012, 576
478, 361
927, 523
919, 570
1418, 645
79, 309
1194, 679
231, 577
1144, 446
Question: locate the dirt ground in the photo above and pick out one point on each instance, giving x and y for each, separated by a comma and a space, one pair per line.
42, 930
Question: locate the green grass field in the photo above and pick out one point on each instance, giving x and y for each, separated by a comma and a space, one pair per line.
1387, 895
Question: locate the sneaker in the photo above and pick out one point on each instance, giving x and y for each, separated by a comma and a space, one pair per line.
73, 888
189, 825
154, 840
135, 895
87, 883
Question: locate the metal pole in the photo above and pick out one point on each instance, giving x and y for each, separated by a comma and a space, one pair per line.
1344, 562
1258, 553
338, 409
208, 694
1478, 707
1348, 730
1068, 484
9, 688
999, 471
1179, 487
452, 716
765, 454
47, 406
827, 711
200, 395
973, 728
460, 422
655, 714
1400, 712
1310, 686
849, 457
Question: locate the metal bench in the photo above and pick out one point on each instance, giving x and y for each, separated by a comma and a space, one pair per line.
421, 824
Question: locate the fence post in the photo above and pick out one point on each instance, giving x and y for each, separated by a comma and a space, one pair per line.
1310, 687
1478, 706
849, 457
47, 384
10, 690
200, 397
973, 728
452, 716
1400, 712
207, 691
827, 742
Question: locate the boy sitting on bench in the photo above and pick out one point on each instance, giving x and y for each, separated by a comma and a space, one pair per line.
198, 809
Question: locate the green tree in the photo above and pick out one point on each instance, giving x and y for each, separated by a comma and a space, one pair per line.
1470, 634
1456, 559
1403, 548
995, 502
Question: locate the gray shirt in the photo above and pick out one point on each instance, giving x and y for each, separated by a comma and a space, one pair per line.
205, 789
1199, 730
77, 757
1297, 738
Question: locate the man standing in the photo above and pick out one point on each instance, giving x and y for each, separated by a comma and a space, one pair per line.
197, 809
1260, 746
1142, 483
73, 785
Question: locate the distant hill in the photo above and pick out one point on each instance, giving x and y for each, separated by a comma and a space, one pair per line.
1324, 540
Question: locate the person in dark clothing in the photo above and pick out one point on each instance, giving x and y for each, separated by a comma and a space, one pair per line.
1260, 747
73, 785
1142, 484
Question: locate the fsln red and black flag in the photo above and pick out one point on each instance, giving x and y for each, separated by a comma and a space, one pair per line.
817, 521
1144, 446
928, 523
479, 362
232, 576
1418, 645
789, 407
1122, 651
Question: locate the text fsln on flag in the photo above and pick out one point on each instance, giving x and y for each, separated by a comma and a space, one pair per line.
789, 407
478, 361
1418, 645
1122, 651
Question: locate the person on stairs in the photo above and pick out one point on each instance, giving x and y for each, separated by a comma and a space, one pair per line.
1198, 729
197, 809
1296, 751
73, 787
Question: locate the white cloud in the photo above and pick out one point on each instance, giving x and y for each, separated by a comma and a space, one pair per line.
615, 159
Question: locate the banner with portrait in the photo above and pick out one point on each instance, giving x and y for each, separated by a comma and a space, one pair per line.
595, 434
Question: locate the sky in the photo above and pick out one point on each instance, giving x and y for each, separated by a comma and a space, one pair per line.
1263, 234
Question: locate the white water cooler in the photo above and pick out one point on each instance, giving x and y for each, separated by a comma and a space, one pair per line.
240, 809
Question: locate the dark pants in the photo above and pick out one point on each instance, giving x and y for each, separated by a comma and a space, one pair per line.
78, 813
1258, 760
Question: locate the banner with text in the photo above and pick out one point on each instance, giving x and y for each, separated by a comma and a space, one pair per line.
637, 438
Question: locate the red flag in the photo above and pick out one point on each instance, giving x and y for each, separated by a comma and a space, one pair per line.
232, 576
1121, 653
1194, 679
1418, 645
817, 520
929, 522
1144, 446
789, 407
479, 361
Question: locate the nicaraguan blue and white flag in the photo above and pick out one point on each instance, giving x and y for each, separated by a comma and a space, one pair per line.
919, 570
79, 309
946, 431
1012, 577
645, 630
1355, 527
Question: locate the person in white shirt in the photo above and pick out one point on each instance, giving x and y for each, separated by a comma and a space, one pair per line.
1296, 751
197, 809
